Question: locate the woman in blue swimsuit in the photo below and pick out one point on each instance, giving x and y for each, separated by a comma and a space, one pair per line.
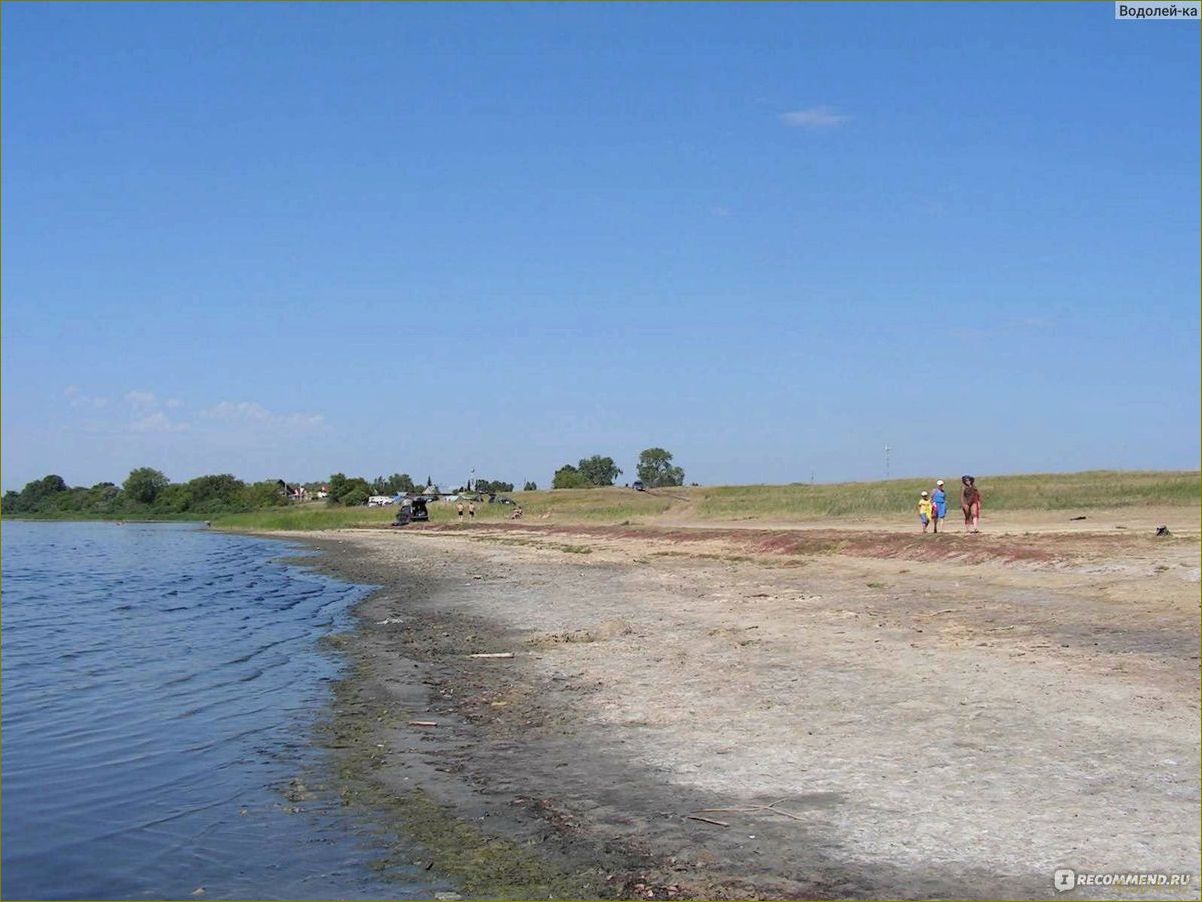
938, 504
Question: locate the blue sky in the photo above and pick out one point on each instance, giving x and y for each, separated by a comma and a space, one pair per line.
285, 240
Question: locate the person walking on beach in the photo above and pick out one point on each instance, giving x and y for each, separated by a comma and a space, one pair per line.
970, 503
938, 504
459, 510
471, 509
924, 511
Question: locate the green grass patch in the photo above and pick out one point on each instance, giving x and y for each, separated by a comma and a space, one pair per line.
786, 503
1059, 491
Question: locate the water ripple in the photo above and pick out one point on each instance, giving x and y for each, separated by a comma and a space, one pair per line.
158, 682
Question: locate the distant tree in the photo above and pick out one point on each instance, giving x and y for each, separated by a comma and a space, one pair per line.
174, 498
568, 477
144, 484
357, 496
391, 485
492, 487
262, 494
105, 490
213, 494
342, 487
599, 470
655, 469
35, 496
47, 485
429, 482
530, 486
338, 487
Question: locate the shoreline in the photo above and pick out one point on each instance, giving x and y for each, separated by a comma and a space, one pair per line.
572, 769
414, 777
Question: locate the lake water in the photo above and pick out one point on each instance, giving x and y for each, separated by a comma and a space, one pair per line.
161, 684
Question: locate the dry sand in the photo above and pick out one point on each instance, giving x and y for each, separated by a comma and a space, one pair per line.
930, 716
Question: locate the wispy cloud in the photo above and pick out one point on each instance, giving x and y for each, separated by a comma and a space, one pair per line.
253, 412
817, 118
140, 398
143, 412
158, 422
77, 398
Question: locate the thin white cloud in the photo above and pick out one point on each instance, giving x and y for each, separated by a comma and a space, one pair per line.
817, 118
172, 403
77, 398
157, 422
253, 412
140, 398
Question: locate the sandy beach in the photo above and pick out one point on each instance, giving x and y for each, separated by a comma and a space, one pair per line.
744, 711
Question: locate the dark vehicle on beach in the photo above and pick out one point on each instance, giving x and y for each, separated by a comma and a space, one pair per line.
412, 512
638, 486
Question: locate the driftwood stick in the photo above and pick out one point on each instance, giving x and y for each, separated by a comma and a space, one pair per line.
492, 654
790, 814
706, 820
423, 723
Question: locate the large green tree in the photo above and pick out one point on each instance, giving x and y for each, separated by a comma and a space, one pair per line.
599, 470
213, 494
655, 469
144, 484
348, 490
568, 477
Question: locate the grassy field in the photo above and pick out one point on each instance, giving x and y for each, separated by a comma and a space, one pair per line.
1059, 491
786, 503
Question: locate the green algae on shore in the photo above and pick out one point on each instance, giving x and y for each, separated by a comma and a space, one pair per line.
421, 831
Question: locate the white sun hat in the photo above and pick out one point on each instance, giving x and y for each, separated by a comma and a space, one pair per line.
938, 482
924, 494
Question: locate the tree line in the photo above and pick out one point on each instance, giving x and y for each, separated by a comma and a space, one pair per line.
655, 470
146, 493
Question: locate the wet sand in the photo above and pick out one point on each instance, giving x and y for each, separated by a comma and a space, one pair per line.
862, 713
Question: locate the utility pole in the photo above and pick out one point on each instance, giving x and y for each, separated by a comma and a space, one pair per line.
887, 450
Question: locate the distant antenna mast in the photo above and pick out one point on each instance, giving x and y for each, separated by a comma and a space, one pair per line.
887, 450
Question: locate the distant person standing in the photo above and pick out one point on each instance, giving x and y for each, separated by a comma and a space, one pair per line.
970, 503
924, 511
938, 504
459, 509
471, 509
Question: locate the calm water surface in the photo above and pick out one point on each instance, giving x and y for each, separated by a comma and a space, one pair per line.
160, 688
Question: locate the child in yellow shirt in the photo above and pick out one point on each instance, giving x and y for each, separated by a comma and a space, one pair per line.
924, 511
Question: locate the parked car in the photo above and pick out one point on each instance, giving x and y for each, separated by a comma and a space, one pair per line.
638, 486
411, 512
